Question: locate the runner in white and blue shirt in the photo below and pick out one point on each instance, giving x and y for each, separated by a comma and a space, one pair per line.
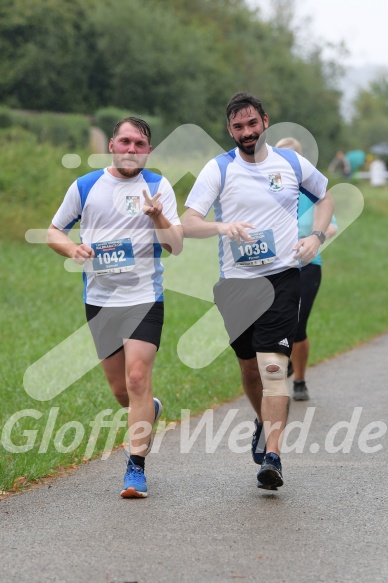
110, 210
126, 215
254, 190
265, 194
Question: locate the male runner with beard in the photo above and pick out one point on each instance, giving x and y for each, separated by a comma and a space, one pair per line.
127, 214
254, 190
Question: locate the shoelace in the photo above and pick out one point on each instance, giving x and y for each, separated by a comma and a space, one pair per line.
136, 473
133, 468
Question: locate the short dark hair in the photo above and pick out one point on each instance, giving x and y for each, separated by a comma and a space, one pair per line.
140, 124
241, 101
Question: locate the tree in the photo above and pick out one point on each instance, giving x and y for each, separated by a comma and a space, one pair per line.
369, 124
48, 56
159, 65
179, 60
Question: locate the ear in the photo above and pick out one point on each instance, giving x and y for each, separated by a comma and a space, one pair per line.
265, 121
110, 144
229, 130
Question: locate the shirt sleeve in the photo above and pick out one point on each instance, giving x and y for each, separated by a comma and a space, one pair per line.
314, 183
168, 201
70, 210
206, 189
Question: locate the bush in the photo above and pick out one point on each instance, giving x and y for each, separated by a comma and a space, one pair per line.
71, 131
5, 117
33, 181
60, 130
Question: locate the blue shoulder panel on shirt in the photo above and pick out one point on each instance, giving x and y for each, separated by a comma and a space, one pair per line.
153, 180
292, 159
71, 225
85, 184
223, 160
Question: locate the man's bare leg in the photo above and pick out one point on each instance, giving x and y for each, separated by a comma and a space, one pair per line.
251, 383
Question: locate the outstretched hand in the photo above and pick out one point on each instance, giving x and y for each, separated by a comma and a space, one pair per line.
236, 231
152, 205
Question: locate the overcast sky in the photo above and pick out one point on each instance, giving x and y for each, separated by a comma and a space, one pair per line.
361, 24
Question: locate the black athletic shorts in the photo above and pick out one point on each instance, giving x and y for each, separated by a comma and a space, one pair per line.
310, 280
110, 325
260, 314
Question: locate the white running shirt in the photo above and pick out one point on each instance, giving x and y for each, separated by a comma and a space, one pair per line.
265, 194
124, 273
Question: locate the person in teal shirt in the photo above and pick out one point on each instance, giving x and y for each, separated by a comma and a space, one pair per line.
310, 281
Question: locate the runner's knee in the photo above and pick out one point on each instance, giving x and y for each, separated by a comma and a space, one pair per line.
273, 372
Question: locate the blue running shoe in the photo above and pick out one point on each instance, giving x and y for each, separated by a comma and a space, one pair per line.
135, 482
258, 443
158, 412
270, 473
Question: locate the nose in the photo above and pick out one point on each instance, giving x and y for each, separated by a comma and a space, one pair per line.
131, 148
247, 131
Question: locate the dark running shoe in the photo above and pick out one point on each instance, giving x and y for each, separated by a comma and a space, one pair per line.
290, 368
270, 473
258, 443
300, 391
266, 487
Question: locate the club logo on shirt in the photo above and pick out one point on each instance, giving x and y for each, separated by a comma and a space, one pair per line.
132, 205
275, 182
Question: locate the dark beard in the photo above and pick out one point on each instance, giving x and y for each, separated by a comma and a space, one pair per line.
251, 150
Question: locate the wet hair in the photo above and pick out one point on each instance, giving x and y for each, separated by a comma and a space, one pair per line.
290, 143
241, 101
140, 124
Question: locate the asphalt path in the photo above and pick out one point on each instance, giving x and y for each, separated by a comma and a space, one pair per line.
205, 520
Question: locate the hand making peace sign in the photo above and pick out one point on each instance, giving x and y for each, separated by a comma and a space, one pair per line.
152, 206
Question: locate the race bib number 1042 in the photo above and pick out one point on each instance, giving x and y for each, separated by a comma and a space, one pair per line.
113, 256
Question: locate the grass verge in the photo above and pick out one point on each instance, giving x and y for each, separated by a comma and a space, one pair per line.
42, 305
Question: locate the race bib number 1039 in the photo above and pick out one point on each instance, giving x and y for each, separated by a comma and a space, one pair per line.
259, 250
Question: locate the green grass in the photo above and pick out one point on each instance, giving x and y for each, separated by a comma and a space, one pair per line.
33, 181
42, 305
351, 305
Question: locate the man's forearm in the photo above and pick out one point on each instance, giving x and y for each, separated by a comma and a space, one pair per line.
198, 228
60, 242
323, 213
63, 245
169, 236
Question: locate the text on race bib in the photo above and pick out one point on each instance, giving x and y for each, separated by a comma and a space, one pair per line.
260, 250
113, 256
